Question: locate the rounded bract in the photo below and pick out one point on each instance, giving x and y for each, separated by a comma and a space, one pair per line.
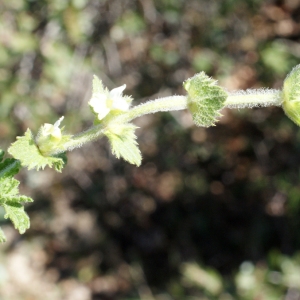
291, 95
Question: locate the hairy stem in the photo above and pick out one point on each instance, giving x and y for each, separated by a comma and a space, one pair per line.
254, 98
171, 103
80, 139
163, 104
240, 99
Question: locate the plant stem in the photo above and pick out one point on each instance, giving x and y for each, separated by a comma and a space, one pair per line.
79, 139
240, 99
171, 103
163, 104
254, 98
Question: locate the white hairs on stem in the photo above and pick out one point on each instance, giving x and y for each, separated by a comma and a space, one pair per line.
253, 98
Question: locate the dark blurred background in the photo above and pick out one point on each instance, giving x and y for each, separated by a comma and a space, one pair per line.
211, 213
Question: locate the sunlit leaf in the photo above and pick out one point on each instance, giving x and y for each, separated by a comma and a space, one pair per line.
205, 99
26, 150
123, 143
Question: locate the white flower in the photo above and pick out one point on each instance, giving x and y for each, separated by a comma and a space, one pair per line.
49, 131
54, 130
102, 102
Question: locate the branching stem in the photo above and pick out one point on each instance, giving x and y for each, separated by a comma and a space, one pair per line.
171, 103
240, 99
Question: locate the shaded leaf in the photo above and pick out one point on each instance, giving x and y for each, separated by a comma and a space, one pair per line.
9, 167
10, 198
2, 236
1, 154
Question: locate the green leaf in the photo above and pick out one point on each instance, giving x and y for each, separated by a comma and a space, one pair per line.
1, 154
123, 143
15, 212
26, 150
10, 198
9, 186
2, 236
98, 88
9, 168
205, 99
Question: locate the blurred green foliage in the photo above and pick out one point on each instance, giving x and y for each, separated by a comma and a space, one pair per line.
211, 213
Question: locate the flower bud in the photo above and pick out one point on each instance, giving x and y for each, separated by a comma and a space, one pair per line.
291, 95
48, 136
205, 99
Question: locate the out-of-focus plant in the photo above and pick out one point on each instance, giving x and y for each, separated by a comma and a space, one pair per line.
277, 276
113, 115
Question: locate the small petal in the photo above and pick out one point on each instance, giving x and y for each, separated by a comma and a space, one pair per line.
49, 133
98, 103
56, 133
103, 113
46, 129
57, 123
104, 101
117, 92
120, 104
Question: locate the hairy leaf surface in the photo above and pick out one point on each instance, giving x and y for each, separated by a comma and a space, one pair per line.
26, 150
123, 143
205, 99
10, 198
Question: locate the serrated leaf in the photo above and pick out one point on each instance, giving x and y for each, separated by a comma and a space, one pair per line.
10, 198
26, 150
123, 143
9, 167
9, 187
2, 236
97, 86
205, 99
12, 203
15, 212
